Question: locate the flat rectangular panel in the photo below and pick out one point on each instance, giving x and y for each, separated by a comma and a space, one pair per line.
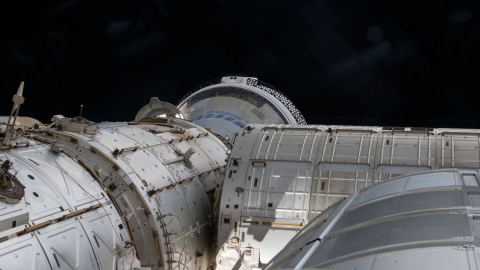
280, 200
400, 231
474, 199
300, 202
343, 167
401, 169
470, 180
431, 180
364, 238
288, 165
401, 204
426, 228
382, 190
342, 186
24, 252
282, 184
426, 258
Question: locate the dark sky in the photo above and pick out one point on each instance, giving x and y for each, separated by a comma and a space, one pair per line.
377, 62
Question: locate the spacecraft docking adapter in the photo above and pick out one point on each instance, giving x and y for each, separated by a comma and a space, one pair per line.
225, 105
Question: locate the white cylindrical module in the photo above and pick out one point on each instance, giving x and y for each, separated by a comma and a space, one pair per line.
280, 177
156, 176
225, 105
63, 219
424, 220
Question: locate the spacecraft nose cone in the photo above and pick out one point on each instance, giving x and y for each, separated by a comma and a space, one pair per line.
225, 105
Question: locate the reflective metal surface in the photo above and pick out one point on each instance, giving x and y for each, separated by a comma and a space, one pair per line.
139, 194
234, 101
280, 177
160, 191
425, 220
65, 220
157, 108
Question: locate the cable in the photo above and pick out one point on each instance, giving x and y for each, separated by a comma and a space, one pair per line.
182, 237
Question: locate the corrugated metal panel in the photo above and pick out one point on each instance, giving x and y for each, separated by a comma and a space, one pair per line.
342, 160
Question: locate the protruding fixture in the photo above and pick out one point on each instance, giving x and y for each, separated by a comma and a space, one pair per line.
18, 100
11, 190
157, 109
183, 157
4, 181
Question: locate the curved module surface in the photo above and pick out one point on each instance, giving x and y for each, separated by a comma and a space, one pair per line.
91, 189
425, 220
225, 105
278, 177
64, 220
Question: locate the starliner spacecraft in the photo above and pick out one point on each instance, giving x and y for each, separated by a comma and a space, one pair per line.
234, 178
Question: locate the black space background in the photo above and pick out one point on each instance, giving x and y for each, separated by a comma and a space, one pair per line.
377, 62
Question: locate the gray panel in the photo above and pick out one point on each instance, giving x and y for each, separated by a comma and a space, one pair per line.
401, 231
362, 239
431, 180
455, 257
343, 167
470, 180
367, 213
399, 205
474, 199
398, 228
383, 189
412, 182
428, 200
425, 228
401, 169
357, 264
458, 149
451, 257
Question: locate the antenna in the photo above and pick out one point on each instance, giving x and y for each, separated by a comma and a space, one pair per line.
81, 108
18, 100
